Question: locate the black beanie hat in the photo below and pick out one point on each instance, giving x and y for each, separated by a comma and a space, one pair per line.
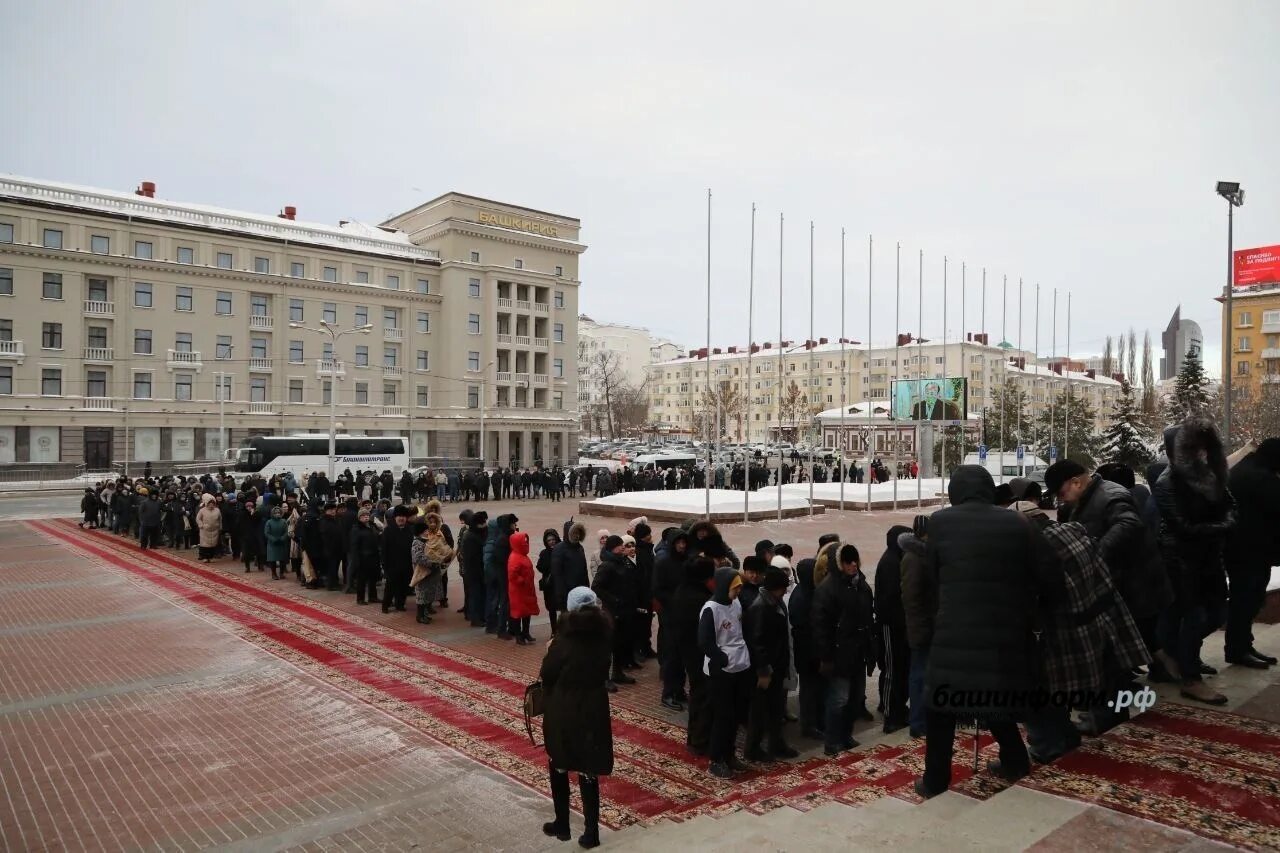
1059, 472
774, 579
612, 542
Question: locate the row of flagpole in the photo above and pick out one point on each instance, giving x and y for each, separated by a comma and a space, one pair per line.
846, 385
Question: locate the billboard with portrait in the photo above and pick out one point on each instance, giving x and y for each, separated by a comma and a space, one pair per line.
930, 399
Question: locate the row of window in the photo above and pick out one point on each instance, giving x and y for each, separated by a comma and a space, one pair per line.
1245, 318
1244, 343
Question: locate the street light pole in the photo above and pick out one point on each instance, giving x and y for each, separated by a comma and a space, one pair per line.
1231, 191
483, 391
334, 333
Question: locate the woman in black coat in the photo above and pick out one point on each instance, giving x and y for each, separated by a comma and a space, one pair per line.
550, 539
813, 686
576, 727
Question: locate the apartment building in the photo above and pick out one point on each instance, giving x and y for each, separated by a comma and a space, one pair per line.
821, 368
132, 327
632, 349
1254, 355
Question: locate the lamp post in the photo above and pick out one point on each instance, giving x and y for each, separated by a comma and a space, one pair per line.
221, 378
1231, 191
334, 333
483, 378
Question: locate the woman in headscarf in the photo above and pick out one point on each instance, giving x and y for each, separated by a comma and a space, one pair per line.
209, 523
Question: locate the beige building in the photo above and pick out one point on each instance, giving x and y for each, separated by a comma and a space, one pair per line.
121, 313
1253, 358
676, 387
632, 350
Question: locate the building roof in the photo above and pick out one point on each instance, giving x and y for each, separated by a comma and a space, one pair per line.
827, 348
348, 236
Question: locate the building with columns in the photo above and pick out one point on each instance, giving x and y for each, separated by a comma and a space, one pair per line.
133, 327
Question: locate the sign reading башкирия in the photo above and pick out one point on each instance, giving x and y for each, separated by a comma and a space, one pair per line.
506, 220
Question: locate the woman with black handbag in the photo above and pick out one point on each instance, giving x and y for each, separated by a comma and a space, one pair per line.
576, 724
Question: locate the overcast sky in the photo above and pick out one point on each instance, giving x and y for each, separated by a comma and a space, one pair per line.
1076, 148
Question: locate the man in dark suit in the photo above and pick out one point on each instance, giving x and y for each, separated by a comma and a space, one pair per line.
933, 407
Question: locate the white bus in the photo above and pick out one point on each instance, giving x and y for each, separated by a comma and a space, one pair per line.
306, 452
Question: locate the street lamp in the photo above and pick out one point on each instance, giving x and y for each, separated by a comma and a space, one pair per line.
483, 376
1231, 191
334, 333
221, 378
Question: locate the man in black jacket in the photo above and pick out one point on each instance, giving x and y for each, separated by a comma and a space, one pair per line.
766, 629
1253, 550
330, 540
895, 653
843, 619
397, 559
364, 559
615, 586
472, 555
668, 574
644, 591
992, 568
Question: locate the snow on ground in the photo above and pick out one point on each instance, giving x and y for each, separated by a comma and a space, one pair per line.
929, 487
1275, 579
693, 501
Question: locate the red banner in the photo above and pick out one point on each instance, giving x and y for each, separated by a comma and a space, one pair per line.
1257, 266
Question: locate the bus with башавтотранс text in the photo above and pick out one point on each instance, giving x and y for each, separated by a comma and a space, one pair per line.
302, 454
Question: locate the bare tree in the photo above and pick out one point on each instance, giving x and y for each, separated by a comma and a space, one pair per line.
1108, 360
1130, 369
605, 370
1254, 414
793, 407
1120, 357
630, 408
1150, 407
726, 400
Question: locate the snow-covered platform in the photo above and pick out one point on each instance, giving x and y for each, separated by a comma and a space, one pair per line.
679, 504
928, 493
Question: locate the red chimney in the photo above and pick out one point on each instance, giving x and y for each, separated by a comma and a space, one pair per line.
693, 353
1057, 368
1092, 374
903, 340
289, 212
822, 340
716, 351
702, 353
756, 347
768, 345
147, 189
733, 350
1119, 377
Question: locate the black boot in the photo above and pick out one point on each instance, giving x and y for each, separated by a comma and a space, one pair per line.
560, 799
589, 787
423, 618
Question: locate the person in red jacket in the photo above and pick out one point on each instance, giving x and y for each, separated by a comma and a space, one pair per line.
521, 591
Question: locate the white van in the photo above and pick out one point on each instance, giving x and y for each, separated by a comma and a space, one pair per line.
1031, 465
663, 461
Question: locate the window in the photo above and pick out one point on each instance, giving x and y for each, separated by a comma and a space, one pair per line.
142, 386
222, 347
52, 286
258, 390
423, 360
1242, 368
362, 315
557, 333
95, 384
298, 270
295, 310
473, 324
182, 342
97, 337
329, 312
142, 341
222, 387
327, 351
6, 330
388, 395
51, 335
559, 270
393, 282
51, 382
557, 368
559, 299
52, 238
1243, 344
326, 392
6, 232
475, 257
423, 396
182, 386
473, 360
6, 373
295, 390
100, 244
182, 301
225, 260
223, 303
424, 285
142, 249
330, 273
6, 281
362, 276
389, 357
557, 401
141, 294
519, 264
390, 318
296, 355
362, 356
186, 255
473, 396
362, 393
262, 265
257, 347
473, 288
424, 322
1270, 318
1246, 319
258, 305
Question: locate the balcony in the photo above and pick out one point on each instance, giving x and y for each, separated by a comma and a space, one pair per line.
98, 404
523, 340
504, 376
542, 307
393, 411
523, 305
262, 322
504, 302
391, 371
392, 333
1271, 379
521, 377
542, 343
258, 364
12, 351
327, 367
1271, 328
97, 353
260, 407
1270, 352
539, 379
99, 308
184, 360
504, 338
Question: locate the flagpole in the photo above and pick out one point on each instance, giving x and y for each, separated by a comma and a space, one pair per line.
945, 368
897, 364
964, 371
1034, 420
707, 477
781, 387
809, 350
920, 376
1066, 417
1004, 367
870, 406
1053, 358
843, 377
751, 295
1022, 471
983, 323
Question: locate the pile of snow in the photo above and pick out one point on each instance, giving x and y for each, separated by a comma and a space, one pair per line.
694, 501
928, 487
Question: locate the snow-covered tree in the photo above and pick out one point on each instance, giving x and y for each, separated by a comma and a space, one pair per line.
1190, 391
1125, 439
